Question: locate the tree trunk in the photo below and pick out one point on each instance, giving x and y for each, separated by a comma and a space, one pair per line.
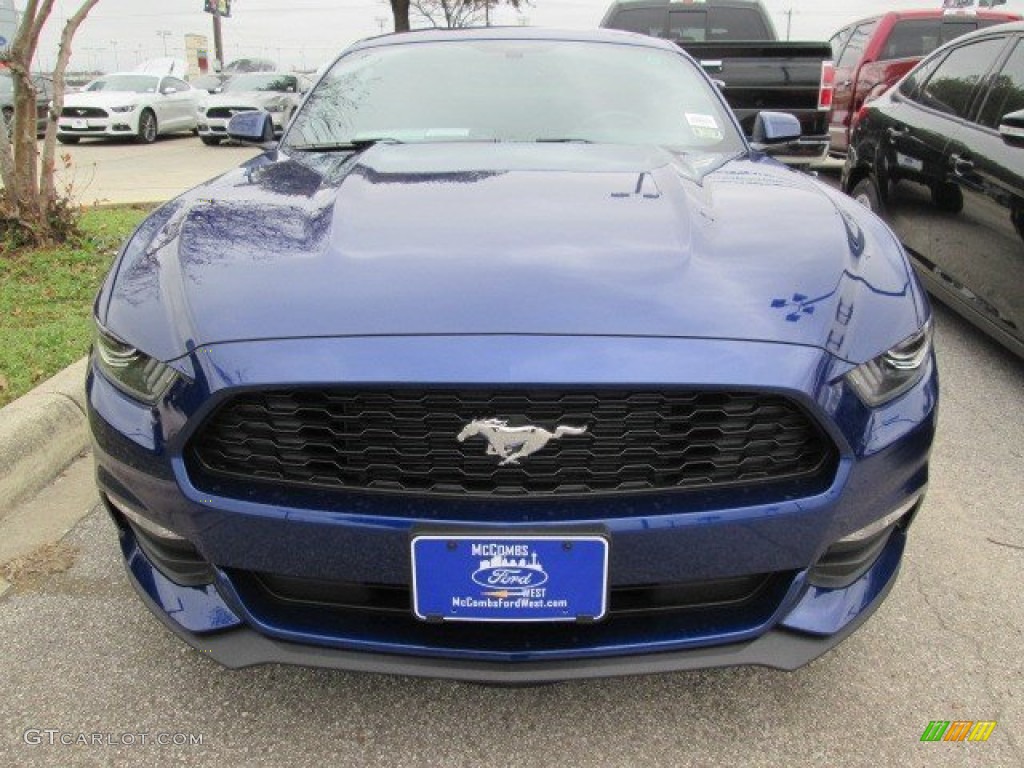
47, 190
400, 10
30, 199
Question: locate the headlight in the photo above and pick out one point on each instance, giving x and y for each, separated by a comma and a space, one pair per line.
893, 372
274, 107
133, 372
126, 108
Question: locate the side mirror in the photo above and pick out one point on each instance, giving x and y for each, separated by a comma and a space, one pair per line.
772, 128
1011, 128
252, 127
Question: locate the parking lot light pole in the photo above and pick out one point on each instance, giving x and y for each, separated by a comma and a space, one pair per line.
164, 33
218, 45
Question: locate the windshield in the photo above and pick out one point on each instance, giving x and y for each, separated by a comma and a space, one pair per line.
282, 83
524, 90
133, 83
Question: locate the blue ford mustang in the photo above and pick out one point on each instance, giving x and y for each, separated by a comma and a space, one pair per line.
513, 362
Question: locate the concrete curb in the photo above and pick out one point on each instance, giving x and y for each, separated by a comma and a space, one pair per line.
40, 435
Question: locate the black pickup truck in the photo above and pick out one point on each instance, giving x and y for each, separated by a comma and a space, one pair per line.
735, 42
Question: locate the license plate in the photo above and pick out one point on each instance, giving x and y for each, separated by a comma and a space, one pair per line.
510, 578
80, 124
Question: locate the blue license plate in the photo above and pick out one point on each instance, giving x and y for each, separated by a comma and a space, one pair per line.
510, 578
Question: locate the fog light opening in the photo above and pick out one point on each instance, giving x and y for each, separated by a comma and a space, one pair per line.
865, 533
143, 522
852, 556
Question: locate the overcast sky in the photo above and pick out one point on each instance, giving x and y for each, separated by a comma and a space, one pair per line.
307, 33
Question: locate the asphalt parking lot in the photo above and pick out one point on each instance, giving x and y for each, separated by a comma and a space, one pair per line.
81, 655
101, 171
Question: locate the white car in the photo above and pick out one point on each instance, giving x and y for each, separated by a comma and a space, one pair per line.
278, 93
128, 105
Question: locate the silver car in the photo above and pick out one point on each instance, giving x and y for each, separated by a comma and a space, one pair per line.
278, 93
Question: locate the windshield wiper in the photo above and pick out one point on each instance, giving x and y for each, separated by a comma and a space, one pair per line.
563, 141
356, 145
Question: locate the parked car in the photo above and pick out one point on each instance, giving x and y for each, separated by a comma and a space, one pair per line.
558, 379
128, 105
278, 93
873, 53
44, 92
211, 83
941, 157
736, 44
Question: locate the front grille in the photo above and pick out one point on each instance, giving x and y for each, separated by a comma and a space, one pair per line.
404, 440
83, 112
394, 599
226, 112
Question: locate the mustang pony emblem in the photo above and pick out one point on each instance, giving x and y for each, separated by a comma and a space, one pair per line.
513, 443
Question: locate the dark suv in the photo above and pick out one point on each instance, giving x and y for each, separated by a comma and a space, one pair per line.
941, 158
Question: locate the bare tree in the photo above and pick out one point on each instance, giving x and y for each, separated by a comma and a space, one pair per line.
29, 201
448, 13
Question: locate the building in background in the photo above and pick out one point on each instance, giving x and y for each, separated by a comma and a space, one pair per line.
197, 55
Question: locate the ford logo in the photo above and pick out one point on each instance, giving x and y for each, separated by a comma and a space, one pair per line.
509, 577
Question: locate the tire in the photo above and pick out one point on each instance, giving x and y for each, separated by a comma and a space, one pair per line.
210, 141
148, 129
8, 115
865, 192
68, 139
947, 197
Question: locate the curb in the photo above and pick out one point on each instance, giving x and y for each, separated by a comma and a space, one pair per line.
41, 433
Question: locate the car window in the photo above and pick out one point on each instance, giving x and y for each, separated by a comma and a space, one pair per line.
736, 24
444, 91
1006, 93
954, 83
174, 82
918, 75
838, 42
646, 21
688, 26
131, 83
858, 42
919, 37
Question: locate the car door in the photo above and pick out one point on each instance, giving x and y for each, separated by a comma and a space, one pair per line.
173, 102
930, 105
982, 249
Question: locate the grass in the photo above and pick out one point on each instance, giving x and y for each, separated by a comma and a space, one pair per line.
46, 299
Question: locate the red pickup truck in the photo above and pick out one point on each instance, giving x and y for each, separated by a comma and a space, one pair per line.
874, 53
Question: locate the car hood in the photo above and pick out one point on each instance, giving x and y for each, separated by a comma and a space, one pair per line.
559, 239
236, 98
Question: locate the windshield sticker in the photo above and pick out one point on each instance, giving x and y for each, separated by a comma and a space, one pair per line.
701, 121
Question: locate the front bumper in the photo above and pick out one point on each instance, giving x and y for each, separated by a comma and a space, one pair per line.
657, 538
215, 126
226, 639
119, 124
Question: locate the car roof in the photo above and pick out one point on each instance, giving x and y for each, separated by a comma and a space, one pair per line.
678, 5
935, 13
514, 33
